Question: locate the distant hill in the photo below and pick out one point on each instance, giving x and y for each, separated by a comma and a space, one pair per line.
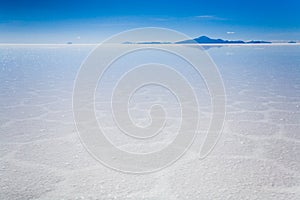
258, 42
203, 40
207, 40
147, 42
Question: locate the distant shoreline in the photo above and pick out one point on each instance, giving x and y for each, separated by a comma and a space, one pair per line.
196, 44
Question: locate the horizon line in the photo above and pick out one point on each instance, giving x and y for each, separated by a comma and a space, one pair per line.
199, 44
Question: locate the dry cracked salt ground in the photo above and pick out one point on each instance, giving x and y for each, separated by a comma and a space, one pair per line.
257, 157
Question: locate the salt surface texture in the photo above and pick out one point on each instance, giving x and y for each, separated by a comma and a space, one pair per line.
257, 157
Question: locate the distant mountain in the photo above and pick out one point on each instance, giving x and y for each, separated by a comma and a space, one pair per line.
258, 42
292, 42
154, 43
207, 40
203, 40
147, 42
127, 42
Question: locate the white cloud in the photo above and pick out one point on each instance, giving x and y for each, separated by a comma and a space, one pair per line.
209, 17
230, 32
205, 16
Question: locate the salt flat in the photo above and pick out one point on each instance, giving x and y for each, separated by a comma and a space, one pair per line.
257, 156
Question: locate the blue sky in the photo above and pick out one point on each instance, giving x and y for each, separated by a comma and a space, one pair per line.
91, 21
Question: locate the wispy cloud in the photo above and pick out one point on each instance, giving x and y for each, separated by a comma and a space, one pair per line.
161, 18
230, 32
209, 17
